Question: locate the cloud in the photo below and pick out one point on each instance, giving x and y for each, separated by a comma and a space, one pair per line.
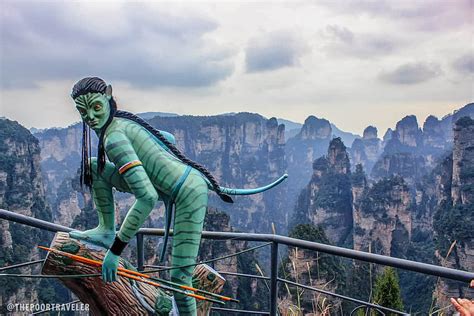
411, 73
340, 41
340, 33
428, 16
135, 43
273, 51
464, 64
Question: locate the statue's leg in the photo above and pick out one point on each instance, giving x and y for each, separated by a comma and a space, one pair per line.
191, 205
102, 185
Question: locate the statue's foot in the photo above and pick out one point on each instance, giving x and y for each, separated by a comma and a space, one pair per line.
97, 236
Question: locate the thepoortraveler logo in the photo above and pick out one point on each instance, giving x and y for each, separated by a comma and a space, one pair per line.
32, 308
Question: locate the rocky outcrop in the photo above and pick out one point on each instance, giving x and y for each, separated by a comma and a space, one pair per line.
448, 121
433, 133
386, 218
315, 128
454, 218
387, 136
366, 150
21, 191
60, 156
382, 217
301, 151
408, 132
462, 190
402, 154
411, 152
370, 132
407, 165
326, 200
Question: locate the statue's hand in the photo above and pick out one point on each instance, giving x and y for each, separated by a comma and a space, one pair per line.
110, 267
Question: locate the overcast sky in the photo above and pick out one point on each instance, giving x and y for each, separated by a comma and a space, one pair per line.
354, 63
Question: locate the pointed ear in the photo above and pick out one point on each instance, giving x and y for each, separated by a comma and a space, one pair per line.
108, 92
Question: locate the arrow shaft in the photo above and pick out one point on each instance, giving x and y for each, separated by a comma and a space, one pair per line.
129, 273
199, 297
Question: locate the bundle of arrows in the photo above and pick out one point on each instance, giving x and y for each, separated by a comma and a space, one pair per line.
145, 278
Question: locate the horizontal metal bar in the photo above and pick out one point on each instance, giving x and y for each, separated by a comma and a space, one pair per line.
341, 297
425, 268
252, 276
215, 235
153, 266
25, 264
238, 311
31, 221
453, 274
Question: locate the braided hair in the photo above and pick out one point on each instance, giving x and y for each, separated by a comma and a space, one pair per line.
97, 85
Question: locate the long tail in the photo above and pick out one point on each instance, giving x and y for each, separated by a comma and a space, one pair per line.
231, 191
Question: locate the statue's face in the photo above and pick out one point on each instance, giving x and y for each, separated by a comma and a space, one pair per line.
94, 109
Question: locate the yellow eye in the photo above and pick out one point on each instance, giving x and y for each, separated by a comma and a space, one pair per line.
97, 107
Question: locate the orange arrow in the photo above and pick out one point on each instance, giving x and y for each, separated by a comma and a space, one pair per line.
129, 273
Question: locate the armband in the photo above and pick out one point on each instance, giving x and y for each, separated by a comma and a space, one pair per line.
117, 246
129, 165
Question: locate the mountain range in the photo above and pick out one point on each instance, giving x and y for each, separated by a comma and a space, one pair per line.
389, 195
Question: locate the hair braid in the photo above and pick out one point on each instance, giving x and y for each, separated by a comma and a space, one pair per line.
86, 174
176, 152
97, 85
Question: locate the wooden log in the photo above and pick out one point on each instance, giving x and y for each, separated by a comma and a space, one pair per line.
123, 297
206, 278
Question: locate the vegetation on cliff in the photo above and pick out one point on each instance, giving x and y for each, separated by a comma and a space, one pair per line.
313, 269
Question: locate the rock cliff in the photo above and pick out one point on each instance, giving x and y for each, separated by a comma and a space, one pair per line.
434, 135
411, 152
60, 156
21, 191
309, 144
402, 154
326, 200
366, 150
454, 218
382, 217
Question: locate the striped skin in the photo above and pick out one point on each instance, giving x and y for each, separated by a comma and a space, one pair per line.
126, 141
191, 204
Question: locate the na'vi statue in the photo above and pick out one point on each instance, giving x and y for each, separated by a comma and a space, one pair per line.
145, 162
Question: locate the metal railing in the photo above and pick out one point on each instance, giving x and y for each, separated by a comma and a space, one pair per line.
276, 240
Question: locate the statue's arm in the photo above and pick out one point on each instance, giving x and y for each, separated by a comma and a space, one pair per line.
121, 152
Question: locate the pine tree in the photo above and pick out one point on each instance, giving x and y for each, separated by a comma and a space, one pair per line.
387, 290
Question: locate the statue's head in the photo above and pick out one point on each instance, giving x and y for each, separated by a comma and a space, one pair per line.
93, 98
97, 107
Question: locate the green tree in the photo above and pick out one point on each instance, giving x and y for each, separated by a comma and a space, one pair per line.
387, 290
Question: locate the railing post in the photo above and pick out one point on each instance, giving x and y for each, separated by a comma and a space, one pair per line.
140, 254
274, 280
